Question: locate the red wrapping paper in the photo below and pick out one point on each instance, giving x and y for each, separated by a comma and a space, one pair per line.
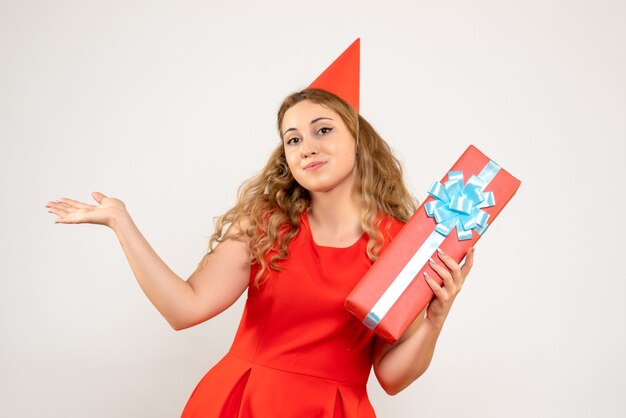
409, 239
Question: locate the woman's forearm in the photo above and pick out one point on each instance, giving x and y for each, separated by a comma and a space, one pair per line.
171, 295
409, 359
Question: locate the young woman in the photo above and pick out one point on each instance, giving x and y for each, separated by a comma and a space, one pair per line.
300, 237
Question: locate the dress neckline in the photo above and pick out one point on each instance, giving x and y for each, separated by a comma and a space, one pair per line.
305, 217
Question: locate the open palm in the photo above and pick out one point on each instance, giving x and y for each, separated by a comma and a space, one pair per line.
74, 212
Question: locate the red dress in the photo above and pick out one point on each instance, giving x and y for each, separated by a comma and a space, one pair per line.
297, 352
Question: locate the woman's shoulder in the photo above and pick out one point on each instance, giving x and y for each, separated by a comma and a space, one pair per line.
390, 226
394, 223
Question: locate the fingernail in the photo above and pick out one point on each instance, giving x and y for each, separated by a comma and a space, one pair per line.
431, 261
439, 251
426, 276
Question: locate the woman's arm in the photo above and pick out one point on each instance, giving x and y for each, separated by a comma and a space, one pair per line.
212, 288
398, 365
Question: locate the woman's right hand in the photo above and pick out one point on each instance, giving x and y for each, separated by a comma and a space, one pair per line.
74, 212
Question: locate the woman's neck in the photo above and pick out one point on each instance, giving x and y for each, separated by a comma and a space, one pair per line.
336, 216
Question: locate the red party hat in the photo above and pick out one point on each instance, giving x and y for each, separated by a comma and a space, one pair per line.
342, 76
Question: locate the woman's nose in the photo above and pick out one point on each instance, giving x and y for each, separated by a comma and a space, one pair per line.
308, 149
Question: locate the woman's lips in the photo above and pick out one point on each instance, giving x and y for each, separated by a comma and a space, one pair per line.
314, 165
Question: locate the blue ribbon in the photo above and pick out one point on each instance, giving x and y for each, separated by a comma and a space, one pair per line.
461, 205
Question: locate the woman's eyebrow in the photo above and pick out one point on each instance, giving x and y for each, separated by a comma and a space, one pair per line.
312, 122
317, 119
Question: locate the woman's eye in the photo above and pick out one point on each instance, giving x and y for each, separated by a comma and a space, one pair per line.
293, 140
324, 131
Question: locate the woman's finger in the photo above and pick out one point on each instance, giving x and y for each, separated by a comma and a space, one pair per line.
57, 208
98, 196
453, 266
57, 205
62, 214
448, 280
62, 221
58, 212
469, 262
73, 202
436, 288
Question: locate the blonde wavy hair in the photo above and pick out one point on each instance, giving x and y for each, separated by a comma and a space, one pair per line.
269, 204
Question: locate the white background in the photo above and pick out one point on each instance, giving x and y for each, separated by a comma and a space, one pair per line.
170, 106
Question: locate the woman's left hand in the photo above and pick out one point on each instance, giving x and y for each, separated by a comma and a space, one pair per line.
453, 277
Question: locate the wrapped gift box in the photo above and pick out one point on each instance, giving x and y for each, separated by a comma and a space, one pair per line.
457, 212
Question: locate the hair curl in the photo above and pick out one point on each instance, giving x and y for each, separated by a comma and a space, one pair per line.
270, 203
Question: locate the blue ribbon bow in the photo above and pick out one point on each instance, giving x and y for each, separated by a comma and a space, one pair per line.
460, 205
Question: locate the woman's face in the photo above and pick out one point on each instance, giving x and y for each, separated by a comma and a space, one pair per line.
319, 148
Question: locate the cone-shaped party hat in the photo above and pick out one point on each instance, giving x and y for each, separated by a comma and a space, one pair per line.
342, 76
